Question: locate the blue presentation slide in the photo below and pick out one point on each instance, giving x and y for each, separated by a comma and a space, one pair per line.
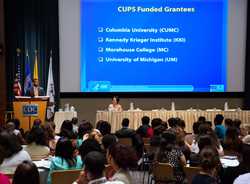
154, 45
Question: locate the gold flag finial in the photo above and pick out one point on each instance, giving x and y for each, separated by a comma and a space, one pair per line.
18, 50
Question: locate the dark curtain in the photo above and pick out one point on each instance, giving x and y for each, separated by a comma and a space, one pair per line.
31, 25
247, 66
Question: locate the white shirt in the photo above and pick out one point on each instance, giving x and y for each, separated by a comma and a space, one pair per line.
16, 132
122, 175
116, 108
102, 180
242, 179
99, 180
195, 148
16, 159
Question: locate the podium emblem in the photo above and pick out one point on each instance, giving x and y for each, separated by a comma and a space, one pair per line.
30, 110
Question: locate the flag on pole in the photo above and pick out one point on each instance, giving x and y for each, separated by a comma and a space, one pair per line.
28, 81
35, 72
50, 90
17, 89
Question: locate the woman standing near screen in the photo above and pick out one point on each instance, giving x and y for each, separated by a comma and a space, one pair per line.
115, 106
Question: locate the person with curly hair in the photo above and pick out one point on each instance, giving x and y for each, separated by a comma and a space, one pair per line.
122, 158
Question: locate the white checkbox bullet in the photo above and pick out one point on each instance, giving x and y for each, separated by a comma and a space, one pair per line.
100, 59
100, 39
100, 29
100, 49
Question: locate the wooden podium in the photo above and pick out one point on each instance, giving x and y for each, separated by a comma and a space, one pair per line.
27, 109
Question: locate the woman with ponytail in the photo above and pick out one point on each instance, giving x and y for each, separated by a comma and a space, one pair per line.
209, 164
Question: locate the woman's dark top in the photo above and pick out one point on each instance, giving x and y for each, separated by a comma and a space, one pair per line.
203, 179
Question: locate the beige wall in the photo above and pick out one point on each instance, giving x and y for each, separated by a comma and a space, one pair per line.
87, 107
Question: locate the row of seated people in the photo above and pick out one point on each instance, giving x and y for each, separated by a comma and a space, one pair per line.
75, 141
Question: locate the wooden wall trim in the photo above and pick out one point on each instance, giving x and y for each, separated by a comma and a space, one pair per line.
3, 88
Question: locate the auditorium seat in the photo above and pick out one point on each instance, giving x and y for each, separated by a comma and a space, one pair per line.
65, 176
162, 173
125, 141
190, 172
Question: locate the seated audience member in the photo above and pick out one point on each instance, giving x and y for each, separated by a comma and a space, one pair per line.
10, 128
88, 146
170, 153
64, 157
67, 130
108, 140
180, 141
165, 124
37, 144
204, 141
94, 166
145, 130
37, 123
181, 124
209, 163
156, 122
242, 179
84, 129
209, 123
219, 129
52, 138
27, 173
74, 122
17, 127
246, 137
104, 128
202, 119
115, 106
190, 138
3, 179
155, 141
232, 143
96, 134
98, 124
122, 158
237, 123
205, 129
230, 173
94, 170
125, 131
228, 123
172, 122
14, 153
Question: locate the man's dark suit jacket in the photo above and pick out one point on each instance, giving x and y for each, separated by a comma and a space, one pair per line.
30, 92
136, 139
125, 132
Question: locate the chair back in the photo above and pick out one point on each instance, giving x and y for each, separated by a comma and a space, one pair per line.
146, 140
65, 176
163, 173
190, 172
125, 141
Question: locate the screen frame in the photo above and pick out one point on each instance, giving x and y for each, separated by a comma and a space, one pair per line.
153, 95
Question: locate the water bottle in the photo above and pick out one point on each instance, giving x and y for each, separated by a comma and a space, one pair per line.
172, 106
131, 106
226, 106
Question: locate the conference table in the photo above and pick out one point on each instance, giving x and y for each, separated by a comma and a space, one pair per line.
189, 116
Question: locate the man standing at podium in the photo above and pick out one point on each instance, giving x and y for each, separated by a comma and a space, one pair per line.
36, 89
